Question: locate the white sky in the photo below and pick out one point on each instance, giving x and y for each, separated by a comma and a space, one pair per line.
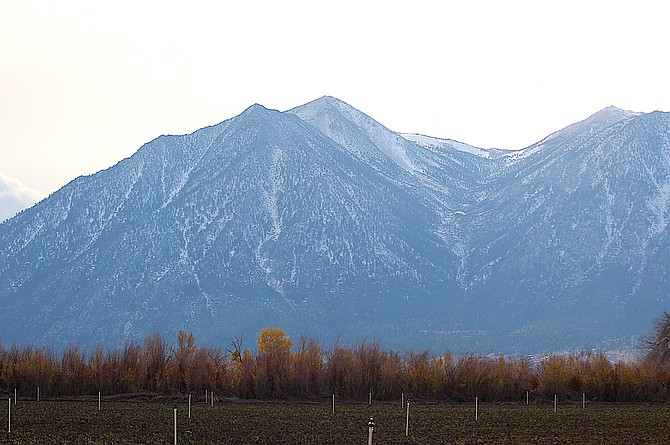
84, 84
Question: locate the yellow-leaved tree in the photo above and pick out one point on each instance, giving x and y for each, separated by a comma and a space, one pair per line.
274, 341
273, 370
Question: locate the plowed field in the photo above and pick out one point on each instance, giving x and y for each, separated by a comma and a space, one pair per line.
79, 423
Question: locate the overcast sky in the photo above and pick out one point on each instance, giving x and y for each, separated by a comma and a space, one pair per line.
84, 84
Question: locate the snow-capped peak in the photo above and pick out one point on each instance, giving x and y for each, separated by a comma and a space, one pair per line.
331, 116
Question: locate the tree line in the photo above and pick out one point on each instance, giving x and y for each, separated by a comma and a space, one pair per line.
280, 369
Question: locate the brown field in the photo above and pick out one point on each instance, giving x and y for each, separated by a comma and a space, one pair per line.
60, 422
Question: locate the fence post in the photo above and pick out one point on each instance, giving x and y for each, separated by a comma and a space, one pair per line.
371, 427
555, 402
407, 422
175, 423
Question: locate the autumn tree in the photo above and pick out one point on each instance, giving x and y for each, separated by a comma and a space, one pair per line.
157, 355
273, 364
553, 376
274, 341
341, 378
27, 368
183, 363
245, 383
464, 376
98, 364
279, 370
74, 372
419, 370
242, 369
370, 359
44, 368
390, 382
308, 372
206, 369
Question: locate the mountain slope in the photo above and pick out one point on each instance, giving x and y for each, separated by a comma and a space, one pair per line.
259, 220
585, 209
324, 222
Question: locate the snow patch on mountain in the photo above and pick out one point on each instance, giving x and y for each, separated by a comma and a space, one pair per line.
432, 142
390, 143
518, 155
386, 141
659, 205
272, 195
199, 143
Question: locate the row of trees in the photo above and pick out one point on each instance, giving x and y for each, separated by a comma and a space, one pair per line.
279, 369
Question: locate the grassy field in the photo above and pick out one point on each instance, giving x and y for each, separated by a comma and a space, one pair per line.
51, 422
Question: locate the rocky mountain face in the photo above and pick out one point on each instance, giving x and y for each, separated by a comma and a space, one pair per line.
321, 221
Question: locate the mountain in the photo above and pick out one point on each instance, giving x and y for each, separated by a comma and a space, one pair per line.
322, 221
575, 232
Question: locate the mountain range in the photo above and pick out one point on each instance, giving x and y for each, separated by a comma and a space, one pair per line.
321, 221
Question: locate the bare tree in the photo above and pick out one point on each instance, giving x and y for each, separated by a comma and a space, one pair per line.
657, 346
237, 350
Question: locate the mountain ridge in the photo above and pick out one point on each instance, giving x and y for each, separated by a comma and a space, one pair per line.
323, 221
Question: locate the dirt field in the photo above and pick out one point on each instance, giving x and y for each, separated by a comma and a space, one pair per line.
301, 423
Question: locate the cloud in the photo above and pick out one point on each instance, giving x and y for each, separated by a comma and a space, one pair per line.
15, 196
